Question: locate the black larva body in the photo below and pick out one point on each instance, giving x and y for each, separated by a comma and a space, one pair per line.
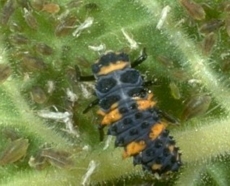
130, 113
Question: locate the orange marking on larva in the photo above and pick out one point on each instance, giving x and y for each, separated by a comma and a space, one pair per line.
100, 112
113, 106
113, 67
144, 104
156, 130
156, 166
111, 117
133, 148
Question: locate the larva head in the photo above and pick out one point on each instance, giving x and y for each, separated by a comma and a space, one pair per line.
110, 62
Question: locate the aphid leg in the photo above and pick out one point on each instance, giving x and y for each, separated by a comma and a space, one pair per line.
168, 117
140, 59
91, 105
83, 78
101, 132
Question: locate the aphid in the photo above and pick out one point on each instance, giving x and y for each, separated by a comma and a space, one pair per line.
32, 63
10, 133
23, 3
132, 43
5, 72
179, 74
14, 27
18, 39
227, 24
43, 48
168, 63
7, 10
38, 162
195, 10
208, 43
50, 86
58, 116
211, 26
225, 65
98, 48
46, 156
163, 16
14, 151
37, 4
38, 95
195, 106
224, 6
91, 6
227, 8
65, 117
129, 111
58, 158
91, 168
86, 24
51, 8
72, 97
85, 89
30, 19
175, 92
65, 26
74, 3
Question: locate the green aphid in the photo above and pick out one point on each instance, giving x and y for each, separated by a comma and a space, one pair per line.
14, 151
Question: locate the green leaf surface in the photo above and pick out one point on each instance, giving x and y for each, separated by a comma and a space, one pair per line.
38, 43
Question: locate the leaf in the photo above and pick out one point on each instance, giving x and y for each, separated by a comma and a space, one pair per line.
76, 33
